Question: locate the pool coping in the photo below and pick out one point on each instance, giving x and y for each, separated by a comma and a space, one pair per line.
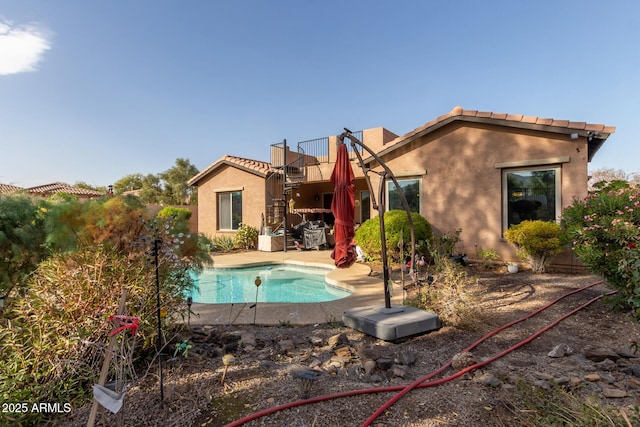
366, 291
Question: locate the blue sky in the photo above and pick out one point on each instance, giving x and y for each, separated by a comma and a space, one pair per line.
93, 91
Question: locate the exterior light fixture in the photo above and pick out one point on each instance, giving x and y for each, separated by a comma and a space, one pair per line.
574, 135
257, 282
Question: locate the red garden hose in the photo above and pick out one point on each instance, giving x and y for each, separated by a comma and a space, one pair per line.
420, 382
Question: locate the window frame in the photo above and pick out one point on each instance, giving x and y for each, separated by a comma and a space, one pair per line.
229, 194
557, 169
404, 179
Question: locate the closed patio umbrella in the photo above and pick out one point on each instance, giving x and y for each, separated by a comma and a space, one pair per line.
343, 209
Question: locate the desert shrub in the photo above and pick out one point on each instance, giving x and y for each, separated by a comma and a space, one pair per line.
534, 406
487, 257
51, 337
178, 214
114, 221
444, 245
604, 231
450, 295
396, 225
223, 243
22, 241
535, 241
246, 237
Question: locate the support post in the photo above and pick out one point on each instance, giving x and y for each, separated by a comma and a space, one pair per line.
284, 193
380, 207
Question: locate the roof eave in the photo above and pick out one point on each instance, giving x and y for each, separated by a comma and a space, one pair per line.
194, 181
596, 139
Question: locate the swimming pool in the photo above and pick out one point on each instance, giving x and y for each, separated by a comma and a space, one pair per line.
280, 283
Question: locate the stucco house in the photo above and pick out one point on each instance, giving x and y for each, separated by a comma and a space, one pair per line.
477, 171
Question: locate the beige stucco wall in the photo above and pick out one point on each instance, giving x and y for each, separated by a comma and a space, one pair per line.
224, 179
462, 187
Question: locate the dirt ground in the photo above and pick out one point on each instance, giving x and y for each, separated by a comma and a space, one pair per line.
592, 352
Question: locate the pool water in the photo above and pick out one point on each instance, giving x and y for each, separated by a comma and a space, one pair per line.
280, 283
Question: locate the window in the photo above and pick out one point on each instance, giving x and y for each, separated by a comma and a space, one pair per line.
229, 210
365, 206
411, 190
530, 194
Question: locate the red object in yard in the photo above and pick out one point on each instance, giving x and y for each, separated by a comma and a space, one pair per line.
124, 322
343, 209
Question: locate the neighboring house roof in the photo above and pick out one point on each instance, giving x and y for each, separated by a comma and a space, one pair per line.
255, 167
60, 187
10, 189
596, 133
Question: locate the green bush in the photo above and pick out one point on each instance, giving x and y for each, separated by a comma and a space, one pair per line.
487, 257
536, 241
396, 226
246, 237
604, 231
22, 241
178, 214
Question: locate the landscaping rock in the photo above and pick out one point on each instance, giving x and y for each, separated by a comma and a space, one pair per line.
614, 393
561, 350
599, 354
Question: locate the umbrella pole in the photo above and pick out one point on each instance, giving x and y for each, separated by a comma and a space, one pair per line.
383, 242
381, 206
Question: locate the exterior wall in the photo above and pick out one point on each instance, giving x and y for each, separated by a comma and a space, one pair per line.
224, 179
462, 187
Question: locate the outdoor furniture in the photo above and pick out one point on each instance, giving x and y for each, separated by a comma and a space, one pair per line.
270, 243
313, 238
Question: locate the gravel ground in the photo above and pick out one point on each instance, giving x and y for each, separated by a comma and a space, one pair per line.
267, 374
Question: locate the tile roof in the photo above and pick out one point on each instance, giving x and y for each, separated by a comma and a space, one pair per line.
598, 132
60, 187
10, 189
256, 167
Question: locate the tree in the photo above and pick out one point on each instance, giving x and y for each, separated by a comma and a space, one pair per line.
22, 241
610, 174
82, 184
128, 183
151, 191
176, 191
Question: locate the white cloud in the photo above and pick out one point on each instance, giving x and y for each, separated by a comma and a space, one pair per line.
21, 48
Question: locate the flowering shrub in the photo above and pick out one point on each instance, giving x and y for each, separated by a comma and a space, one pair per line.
604, 231
536, 241
246, 237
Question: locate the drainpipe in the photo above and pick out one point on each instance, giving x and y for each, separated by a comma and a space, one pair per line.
284, 192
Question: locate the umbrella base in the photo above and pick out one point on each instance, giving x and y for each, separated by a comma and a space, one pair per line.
390, 324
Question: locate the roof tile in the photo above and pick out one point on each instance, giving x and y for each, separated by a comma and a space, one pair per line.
594, 127
9, 189
61, 187
542, 121
577, 125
